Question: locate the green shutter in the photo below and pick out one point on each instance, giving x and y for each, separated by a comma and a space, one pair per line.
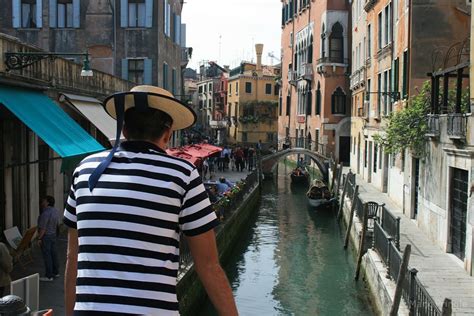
125, 69
123, 13
147, 71
76, 13
53, 13
149, 13
16, 12
39, 13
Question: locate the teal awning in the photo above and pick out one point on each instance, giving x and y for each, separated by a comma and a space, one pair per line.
48, 121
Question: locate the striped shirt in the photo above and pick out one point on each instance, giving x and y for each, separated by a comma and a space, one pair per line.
129, 227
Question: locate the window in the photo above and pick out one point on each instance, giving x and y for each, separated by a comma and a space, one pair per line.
277, 89
29, 13
136, 13
280, 107
385, 89
200, 89
380, 25
65, 13
365, 154
236, 88
318, 100
323, 42
248, 87
309, 103
395, 83
336, 45
136, 71
405, 75
379, 96
367, 96
244, 136
173, 81
268, 88
165, 76
376, 151
369, 41
288, 104
338, 102
270, 137
167, 18
230, 89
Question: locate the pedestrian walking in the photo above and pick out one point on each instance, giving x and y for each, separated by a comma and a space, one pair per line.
6, 267
251, 158
48, 222
129, 206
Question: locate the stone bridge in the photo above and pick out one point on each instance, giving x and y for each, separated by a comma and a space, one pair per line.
270, 162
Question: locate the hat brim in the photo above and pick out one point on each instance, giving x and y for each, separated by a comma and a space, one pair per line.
181, 114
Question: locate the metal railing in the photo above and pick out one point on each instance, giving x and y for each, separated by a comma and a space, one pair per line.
394, 261
359, 208
358, 77
306, 70
457, 126
381, 242
301, 142
432, 121
391, 224
224, 212
419, 300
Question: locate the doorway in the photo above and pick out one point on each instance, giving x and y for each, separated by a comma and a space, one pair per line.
458, 211
416, 187
345, 150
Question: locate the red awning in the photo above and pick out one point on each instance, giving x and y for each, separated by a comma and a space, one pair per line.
194, 153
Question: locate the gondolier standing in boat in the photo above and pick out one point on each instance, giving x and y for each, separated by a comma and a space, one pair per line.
301, 164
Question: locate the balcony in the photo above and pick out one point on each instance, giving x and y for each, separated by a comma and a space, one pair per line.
358, 78
457, 126
218, 124
306, 71
186, 53
292, 77
322, 64
432, 121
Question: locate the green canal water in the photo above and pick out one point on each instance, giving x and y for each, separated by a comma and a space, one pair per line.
291, 260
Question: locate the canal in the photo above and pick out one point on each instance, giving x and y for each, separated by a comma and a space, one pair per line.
292, 262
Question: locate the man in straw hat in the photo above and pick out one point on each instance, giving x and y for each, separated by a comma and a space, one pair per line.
125, 212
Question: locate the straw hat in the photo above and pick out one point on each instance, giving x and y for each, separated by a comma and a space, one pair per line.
154, 97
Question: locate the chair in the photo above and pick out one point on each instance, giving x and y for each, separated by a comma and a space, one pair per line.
20, 245
373, 212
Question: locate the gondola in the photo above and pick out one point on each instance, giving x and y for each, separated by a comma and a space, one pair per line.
319, 194
299, 176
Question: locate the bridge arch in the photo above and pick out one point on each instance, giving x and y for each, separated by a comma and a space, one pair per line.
269, 162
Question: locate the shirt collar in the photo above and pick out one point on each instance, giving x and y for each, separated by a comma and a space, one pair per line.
140, 146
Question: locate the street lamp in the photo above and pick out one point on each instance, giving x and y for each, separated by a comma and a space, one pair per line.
21, 60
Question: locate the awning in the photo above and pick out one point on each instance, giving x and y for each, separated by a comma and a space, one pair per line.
195, 153
93, 110
48, 121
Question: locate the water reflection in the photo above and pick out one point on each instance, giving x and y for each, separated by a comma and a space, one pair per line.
291, 261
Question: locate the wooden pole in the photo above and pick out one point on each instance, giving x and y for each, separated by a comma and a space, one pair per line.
341, 205
339, 176
351, 217
361, 243
334, 170
400, 280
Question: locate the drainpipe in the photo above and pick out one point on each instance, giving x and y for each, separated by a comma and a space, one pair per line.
114, 27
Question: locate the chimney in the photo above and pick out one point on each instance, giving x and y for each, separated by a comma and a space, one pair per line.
259, 51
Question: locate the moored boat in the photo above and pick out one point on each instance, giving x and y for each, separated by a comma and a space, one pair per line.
319, 194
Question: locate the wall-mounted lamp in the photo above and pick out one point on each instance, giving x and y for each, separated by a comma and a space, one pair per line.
24, 59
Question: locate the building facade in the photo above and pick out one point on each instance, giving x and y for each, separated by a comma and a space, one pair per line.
400, 53
253, 103
315, 95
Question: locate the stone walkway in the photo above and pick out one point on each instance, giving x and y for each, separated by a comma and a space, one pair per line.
441, 273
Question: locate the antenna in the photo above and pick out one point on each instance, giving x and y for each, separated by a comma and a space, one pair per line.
272, 56
220, 46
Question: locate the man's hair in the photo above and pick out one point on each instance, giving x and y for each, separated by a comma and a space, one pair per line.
50, 200
147, 124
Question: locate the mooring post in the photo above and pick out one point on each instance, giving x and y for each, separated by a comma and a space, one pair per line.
339, 176
334, 170
447, 307
400, 281
341, 205
351, 217
361, 242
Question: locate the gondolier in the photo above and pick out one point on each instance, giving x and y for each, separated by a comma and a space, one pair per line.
125, 212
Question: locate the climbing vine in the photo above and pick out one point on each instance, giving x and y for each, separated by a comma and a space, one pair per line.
406, 128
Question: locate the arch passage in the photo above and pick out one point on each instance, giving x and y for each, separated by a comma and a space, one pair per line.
269, 162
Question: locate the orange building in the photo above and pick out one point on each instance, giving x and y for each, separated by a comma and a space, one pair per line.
315, 95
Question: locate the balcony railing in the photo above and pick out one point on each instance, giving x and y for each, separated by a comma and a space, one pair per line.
306, 71
292, 77
433, 125
218, 124
333, 60
457, 126
358, 78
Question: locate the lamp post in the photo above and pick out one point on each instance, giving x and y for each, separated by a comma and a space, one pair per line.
20, 60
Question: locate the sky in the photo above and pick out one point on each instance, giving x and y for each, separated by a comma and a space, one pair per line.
237, 25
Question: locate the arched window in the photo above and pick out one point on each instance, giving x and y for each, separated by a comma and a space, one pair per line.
336, 44
323, 41
318, 100
310, 50
309, 102
338, 102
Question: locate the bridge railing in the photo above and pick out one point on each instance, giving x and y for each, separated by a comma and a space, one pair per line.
301, 142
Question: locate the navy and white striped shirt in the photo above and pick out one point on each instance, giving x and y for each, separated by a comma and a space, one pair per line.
129, 227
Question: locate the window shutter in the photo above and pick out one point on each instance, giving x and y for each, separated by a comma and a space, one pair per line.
16, 13
125, 69
53, 13
168, 18
149, 13
183, 35
76, 11
39, 13
123, 13
147, 72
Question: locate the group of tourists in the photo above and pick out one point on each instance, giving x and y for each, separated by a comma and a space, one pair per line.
237, 158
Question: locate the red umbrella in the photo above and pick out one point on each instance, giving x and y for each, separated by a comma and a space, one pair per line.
194, 153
